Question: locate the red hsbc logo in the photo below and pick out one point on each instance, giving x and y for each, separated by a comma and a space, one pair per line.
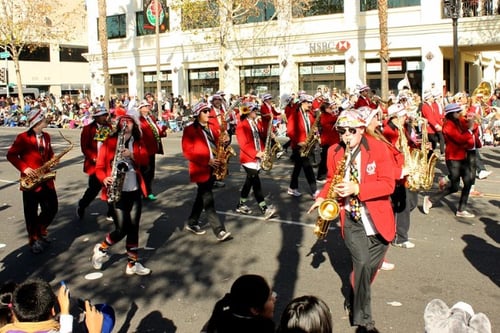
343, 45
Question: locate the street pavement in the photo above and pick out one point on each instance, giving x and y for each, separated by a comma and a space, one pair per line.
455, 259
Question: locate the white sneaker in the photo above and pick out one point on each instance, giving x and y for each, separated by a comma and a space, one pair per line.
269, 212
464, 213
279, 154
427, 205
484, 174
405, 245
138, 269
98, 257
387, 266
294, 192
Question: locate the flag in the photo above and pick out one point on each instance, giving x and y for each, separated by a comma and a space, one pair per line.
149, 12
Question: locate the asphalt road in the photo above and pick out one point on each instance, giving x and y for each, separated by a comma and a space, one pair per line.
454, 259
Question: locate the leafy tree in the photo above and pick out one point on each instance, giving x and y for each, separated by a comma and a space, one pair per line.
384, 48
27, 25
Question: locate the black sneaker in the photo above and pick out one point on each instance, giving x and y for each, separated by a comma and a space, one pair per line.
243, 209
223, 235
195, 229
80, 212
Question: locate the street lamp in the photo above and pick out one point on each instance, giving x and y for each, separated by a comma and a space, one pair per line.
452, 8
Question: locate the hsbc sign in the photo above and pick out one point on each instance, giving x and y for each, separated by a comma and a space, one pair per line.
329, 47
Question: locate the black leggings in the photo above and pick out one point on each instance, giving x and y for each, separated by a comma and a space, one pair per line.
252, 182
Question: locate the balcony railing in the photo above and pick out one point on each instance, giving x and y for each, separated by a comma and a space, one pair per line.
473, 8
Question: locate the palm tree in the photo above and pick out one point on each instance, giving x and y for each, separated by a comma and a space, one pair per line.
384, 48
103, 39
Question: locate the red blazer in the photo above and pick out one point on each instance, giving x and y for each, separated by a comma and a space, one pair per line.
196, 150
104, 165
458, 139
267, 113
154, 147
431, 113
245, 140
377, 183
328, 133
89, 147
296, 129
361, 101
214, 119
24, 153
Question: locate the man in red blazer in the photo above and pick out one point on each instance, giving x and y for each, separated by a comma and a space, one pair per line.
300, 124
91, 140
251, 135
199, 142
151, 135
430, 111
30, 151
328, 134
364, 98
366, 216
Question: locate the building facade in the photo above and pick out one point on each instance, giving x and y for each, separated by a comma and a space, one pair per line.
289, 53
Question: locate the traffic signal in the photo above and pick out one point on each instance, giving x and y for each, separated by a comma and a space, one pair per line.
2, 75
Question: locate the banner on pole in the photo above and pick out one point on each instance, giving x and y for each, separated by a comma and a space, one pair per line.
150, 14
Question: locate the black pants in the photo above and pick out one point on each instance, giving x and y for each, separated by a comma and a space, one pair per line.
322, 171
302, 163
464, 169
37, 224
367, 254
205, 201
403, 202
434, 139
127, 218
93, 188
148, 173
252, 182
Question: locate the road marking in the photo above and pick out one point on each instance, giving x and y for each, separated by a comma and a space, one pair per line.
9, 181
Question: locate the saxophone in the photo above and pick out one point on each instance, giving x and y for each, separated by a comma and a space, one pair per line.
270, 150
312, 138
223, 153
44, 173
329, 209
119, 170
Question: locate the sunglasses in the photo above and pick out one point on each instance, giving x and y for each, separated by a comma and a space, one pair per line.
205, 111
343, 130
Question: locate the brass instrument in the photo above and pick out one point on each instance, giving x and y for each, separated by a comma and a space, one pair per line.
223, 153
329, 209
44, 173
270, 150
119, 169
485, 87
312, 138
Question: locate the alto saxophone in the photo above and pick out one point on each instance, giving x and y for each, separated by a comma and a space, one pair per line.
270, 150
223, 153
329, 209
119, 170
44, 173
312, 138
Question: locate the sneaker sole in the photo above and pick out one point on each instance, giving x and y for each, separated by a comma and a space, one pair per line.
225, 237
201, 232
243, 212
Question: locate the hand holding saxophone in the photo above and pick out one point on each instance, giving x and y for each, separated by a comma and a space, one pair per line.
29, 172
214, 163
346, 189
316, 204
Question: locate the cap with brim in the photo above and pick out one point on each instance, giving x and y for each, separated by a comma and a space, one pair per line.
197, 108
451, 108
350, 118
305, 98
143, 103
367, 113
364, 87
35, 116
397, 110
266, 97
427, 94
100, 111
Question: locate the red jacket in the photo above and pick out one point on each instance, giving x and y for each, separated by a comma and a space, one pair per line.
88, 145
246, 141
328, 133
104, 165
458, 139
364, 102
24, 153
431, 113
196, 150
377, 183
154, 146
296, 129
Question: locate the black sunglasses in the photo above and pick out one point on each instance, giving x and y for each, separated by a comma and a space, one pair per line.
343, 130
205, 111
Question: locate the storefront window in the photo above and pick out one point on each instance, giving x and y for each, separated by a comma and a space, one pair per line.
150, 79
119, 84
319, 7
327, 75
202, 83
116, 26
397, 67
260, 79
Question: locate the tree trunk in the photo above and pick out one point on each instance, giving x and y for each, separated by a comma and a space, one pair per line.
384, 49
103, 39
15, 58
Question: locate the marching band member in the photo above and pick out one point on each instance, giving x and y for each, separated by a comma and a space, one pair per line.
30, 150
267, 114
366, 218
251, 137
91, 140
298, 130
151, 136
199, 142
124, 146
461, 136
364, 98
430, 111
217, 111
328, 134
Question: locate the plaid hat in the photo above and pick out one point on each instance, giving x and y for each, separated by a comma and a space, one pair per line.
452, 107
143, 103
265, 97
427, 94
363, 87
99, 111
197, 108
397, 110
35, 115
221, 93
305, 98
216, 96
350, 118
